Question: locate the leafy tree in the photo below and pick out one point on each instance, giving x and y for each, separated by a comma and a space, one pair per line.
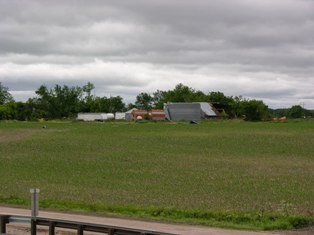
107, 105
254, 110
89, 98
59, 102
8, 110
296, 111
159, 98
144, 101
4, 112
116, 104
236, 107
180, 93
5, 96
130, 106
88, 89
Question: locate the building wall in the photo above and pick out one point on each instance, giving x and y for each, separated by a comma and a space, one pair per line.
183, 111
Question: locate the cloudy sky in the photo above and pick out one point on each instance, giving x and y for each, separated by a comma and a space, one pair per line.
258, 49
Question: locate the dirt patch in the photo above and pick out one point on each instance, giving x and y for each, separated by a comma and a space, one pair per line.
16, 135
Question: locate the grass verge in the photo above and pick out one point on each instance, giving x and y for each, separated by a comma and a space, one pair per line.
222, 219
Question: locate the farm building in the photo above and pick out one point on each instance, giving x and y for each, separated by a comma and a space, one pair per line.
189, 111
89, 117
119, 116
156, 114
208, 110
128, 114
183, 111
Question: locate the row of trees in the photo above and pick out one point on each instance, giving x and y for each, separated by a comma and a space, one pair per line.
57, 103
62, 102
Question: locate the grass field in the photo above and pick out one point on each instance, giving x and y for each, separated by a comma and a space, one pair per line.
220, 173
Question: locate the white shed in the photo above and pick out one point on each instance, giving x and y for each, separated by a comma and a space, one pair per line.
119, 116
90, 117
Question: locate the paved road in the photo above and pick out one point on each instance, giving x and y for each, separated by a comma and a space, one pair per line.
131, 223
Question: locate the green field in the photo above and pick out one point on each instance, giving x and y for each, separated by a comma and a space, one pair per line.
220, 173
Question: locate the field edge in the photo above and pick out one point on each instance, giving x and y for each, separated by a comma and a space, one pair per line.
255, 221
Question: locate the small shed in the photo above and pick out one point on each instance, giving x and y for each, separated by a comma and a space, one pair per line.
119, 116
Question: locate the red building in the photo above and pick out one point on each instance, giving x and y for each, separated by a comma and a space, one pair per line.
156, 114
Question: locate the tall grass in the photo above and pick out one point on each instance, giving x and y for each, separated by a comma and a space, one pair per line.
225, 173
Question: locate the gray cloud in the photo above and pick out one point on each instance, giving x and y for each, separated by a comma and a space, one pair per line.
258, 49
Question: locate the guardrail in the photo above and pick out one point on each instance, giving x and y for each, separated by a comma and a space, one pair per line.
80, 227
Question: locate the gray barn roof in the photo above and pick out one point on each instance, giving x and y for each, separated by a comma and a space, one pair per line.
207, 110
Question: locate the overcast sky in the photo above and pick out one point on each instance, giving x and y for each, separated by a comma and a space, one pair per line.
260, 49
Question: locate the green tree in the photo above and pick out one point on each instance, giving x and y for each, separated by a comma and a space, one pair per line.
89, 98
116, 104
59, 102
236, 107
254, 110
296, 111
159, 99
107, 105
88, 90
8, 111
4, 112
180, 93
5, 96
144, 101
130, 106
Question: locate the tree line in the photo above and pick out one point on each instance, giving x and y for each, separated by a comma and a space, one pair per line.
64, 102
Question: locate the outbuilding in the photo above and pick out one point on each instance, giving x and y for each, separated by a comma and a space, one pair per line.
90, 117
189, 111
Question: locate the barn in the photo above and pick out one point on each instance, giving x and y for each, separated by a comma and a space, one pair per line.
189, 111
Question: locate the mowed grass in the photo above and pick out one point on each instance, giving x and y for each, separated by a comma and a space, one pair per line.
221, 173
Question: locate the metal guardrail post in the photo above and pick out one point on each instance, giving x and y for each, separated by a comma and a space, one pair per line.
3, 223
35, 205
33, 227
80, 230
111, 231
52, 228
